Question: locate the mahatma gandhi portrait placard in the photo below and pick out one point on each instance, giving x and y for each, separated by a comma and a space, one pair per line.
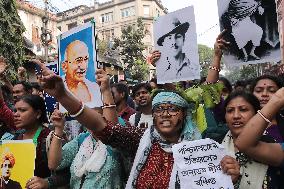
77, 64
176, 39
252, 30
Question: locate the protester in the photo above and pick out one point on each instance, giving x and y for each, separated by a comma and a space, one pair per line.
30, 115
20, 89
36, 90
120, 95
263, 87
240, 107
6, 116
130, 101
249, 141
142, 96
227, 89
240, 85
153, 83
166, 131
92, 164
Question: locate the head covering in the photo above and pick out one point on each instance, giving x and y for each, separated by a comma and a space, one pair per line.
151, 135
241, 9
8, 156
179, 27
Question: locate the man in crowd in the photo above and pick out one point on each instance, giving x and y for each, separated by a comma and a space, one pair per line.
20, 89
75, 66
120, 95
143, 100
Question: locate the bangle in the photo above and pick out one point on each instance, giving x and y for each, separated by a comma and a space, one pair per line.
210, 83
57, 136
80, 111
109, 106
263, 117
214, 68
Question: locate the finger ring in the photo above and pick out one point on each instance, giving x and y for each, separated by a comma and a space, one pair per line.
30, 180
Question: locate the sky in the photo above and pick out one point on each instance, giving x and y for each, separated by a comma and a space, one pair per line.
206, 14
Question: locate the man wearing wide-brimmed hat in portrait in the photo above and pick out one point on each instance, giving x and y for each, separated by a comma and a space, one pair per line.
177, 64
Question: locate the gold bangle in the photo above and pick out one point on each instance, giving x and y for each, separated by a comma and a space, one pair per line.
214, 68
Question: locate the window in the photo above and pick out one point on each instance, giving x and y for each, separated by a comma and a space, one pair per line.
72, 25
112, 33
146, 9
88, 20
107, 17
130, 11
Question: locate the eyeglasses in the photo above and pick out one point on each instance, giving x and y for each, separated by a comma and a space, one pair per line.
79, 60
172, 110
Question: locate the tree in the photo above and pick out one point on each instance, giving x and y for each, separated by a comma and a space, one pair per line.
242, 73
11, 40
205, 58
131, 49
140, 70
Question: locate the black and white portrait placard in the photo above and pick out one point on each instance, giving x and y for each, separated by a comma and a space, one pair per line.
252, 30
176, 39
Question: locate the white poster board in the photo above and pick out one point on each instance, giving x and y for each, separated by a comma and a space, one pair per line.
198, 165
252, 30
175, 37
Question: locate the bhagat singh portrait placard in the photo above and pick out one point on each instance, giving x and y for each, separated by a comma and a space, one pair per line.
77, 64
176, 39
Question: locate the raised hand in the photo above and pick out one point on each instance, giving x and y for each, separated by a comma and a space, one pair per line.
155, 56
102, 79
3, 66
58, 120
220, 44
278, 98
22, 73
50, 82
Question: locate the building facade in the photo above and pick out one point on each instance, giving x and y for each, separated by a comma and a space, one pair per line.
31, 17
112, 16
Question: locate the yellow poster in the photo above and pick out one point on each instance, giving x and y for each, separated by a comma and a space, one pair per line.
17, 163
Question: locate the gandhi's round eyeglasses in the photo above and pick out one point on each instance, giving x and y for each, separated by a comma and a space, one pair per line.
79, 60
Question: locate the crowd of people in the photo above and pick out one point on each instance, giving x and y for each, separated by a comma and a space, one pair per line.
127, 143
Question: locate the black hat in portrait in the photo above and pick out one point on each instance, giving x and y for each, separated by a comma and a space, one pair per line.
179, 27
